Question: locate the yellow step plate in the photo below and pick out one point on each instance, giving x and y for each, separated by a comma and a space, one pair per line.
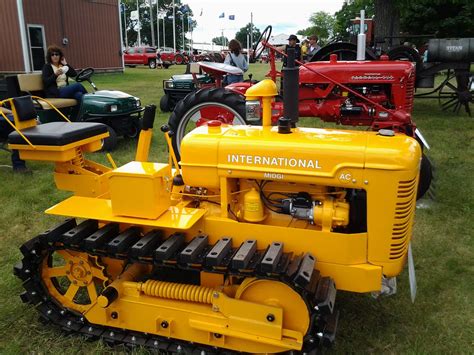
177, 217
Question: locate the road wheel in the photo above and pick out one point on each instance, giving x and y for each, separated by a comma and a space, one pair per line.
152, 63
109, 143
133, 130
204, 105
179, 59
165, 103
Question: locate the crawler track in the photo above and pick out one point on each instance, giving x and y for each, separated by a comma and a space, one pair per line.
172, 254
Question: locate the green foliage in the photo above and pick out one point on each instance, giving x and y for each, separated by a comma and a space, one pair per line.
220, 41
444, 18
241, 35
322, 26
348, 12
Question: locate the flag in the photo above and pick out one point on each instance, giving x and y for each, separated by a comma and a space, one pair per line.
222, 15
231, 17
200, 13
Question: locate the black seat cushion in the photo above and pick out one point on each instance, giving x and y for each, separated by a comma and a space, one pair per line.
24, 108
58, 133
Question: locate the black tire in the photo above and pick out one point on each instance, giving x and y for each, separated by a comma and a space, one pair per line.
165, 103
179, 59
166, 66
133, 130
152, 64
426, 176
344, 51
109, 143
407, 54
189, 108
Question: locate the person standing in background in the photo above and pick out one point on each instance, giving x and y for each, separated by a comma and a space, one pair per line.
313, 47
236, 59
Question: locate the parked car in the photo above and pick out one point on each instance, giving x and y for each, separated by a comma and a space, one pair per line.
140, 56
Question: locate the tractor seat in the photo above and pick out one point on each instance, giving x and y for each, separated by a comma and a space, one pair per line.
58, 133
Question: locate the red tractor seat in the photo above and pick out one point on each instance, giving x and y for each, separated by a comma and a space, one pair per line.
58, 133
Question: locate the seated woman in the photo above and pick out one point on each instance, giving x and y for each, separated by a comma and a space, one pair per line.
236, 59
56, 73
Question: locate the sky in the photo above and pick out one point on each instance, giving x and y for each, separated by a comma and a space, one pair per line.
285, 16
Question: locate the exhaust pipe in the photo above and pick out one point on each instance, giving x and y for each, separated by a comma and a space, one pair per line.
361, 37
290, 89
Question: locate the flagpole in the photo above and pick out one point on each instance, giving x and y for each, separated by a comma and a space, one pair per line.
125, 24
174, 28
138, 16
157, 23
151, 24
251, 29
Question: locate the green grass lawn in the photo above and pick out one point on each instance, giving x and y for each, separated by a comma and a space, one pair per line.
440, 321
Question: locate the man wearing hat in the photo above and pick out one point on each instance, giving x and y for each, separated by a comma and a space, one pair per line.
293, 43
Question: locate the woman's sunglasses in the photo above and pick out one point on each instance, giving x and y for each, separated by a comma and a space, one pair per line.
55, 54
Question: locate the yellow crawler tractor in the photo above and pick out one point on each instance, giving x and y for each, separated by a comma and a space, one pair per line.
239, 248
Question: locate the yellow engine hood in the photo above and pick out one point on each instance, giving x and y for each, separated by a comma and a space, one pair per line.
262, 153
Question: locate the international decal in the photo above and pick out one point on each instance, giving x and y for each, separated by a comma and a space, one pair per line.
282, 162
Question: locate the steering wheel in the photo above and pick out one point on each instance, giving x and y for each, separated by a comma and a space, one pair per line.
259, 47
84, 75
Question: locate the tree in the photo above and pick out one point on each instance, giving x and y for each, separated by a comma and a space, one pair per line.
387, 22
322, 26
348, 12
166, 7
241, 35
220, 41
444, 18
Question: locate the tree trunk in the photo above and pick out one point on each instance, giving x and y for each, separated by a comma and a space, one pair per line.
387, 23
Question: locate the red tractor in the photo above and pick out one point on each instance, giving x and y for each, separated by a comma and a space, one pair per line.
377, 94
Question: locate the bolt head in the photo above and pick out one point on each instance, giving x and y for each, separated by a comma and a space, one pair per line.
215, 295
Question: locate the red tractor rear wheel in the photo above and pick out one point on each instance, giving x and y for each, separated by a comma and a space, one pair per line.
179, 59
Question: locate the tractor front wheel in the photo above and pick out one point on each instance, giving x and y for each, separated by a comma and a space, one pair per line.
204, 105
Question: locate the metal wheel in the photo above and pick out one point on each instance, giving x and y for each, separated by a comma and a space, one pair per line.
199, 107
73, 278
275, 293
452, 96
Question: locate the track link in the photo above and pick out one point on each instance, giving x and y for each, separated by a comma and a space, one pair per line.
173, 253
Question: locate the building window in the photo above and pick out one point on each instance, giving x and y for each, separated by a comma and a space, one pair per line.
37, 43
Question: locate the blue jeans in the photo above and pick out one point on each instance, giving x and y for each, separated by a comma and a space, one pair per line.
73, 91
230, 79
5, 129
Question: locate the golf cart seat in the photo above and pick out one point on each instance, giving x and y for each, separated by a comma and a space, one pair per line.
54, 141
33, 84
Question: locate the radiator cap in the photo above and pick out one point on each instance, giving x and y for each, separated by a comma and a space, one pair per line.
386, 132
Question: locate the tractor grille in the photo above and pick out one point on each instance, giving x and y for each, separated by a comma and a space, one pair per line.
404, 210
183, 85
410, 92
